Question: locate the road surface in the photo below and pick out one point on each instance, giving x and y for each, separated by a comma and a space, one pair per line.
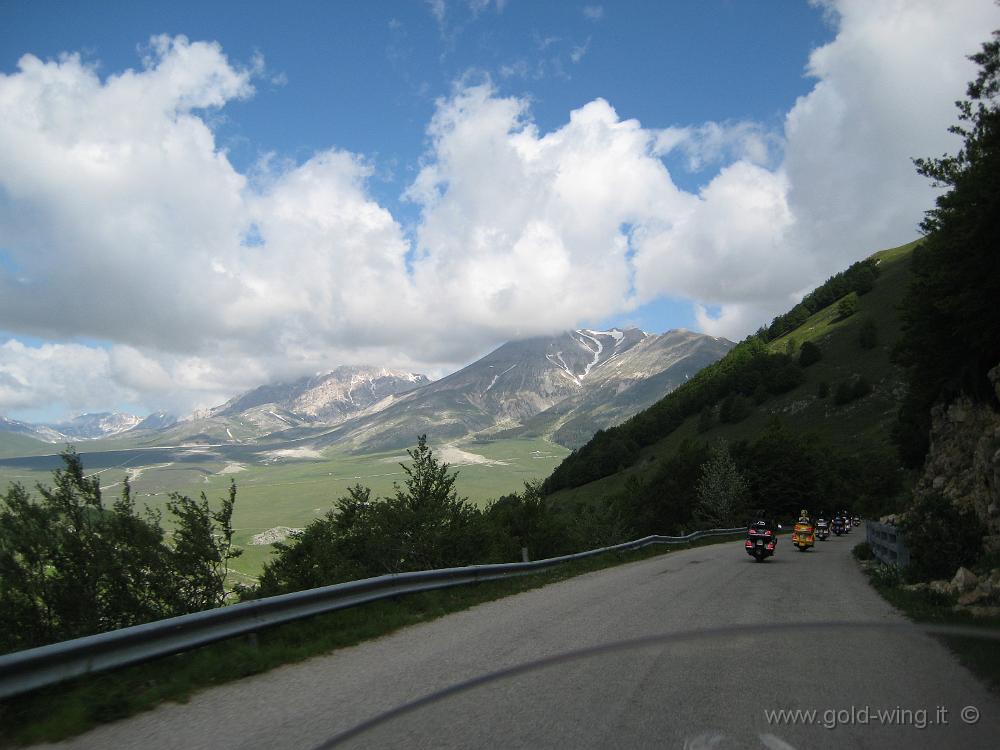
707, 692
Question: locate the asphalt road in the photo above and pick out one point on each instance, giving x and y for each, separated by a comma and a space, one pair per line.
710, 691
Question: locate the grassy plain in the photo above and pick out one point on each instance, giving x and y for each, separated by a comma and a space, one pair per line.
284, 490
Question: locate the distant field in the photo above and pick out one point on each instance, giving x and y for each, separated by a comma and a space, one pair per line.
284, 490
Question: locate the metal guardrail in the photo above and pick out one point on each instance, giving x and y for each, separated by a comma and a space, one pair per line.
887, 544
34, 668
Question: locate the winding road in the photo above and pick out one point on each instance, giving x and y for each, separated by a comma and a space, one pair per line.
885, 686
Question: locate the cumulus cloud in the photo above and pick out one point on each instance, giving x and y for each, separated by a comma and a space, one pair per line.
845, 185
122, 220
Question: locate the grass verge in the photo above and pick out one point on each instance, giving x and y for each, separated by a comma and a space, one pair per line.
73, 707
979, 655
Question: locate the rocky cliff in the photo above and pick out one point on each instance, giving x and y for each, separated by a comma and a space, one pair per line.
964, 459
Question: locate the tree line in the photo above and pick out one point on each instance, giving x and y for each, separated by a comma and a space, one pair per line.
71, 566
951, 315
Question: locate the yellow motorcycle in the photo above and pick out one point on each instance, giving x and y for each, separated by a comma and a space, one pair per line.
803, 536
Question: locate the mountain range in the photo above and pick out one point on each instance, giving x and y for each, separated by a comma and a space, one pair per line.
566, 386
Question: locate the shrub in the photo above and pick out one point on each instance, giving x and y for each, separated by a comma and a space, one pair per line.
847, 306
868, 335
823, 389
70, 566
887, 576
940, 538
851, 390
809, 354
862, 551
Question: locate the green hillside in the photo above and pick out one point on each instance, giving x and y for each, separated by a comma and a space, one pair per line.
778, 403
12, 444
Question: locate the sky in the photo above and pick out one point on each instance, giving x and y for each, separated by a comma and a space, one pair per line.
198, 198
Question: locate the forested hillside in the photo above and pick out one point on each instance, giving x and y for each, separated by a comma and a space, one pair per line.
816, 380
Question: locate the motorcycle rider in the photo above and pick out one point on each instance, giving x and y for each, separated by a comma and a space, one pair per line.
761, 523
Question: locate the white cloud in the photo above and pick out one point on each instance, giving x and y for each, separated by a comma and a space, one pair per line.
884, 93
577, 53
438, 10
524, 231
593, 12
713, 143
122, 220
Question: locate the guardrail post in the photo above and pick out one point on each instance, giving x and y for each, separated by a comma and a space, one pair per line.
524, 554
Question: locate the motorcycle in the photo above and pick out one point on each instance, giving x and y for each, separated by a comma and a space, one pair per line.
760, 543
822, 529
803, 536
838, 526
856, 520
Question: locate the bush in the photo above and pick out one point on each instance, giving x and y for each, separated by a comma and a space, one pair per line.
847, 306
868, 335
851, 390
887, 576
862, 551
70, 566
809, 354
823, 389
423, 525
734, 408
940, 538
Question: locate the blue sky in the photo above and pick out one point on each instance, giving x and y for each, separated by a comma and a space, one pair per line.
420, 181
365, 76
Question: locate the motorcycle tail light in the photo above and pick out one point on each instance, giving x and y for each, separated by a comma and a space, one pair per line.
767, 533
771, 545
753, 532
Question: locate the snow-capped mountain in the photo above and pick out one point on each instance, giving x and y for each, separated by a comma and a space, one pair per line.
329, 397
502, 392
565, 386
34, 431
91, 426
157, 421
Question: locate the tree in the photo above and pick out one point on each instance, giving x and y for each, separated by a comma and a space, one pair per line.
69, 566
783, 470
809, 354
706, 419
950, 314
202, 548
847, 306
524, 520
734, 408
851, 390
722, 490
433, 527
665, 502
423, 525
940, 537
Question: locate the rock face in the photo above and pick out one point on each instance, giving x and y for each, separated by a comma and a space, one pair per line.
272, 535
964, 459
